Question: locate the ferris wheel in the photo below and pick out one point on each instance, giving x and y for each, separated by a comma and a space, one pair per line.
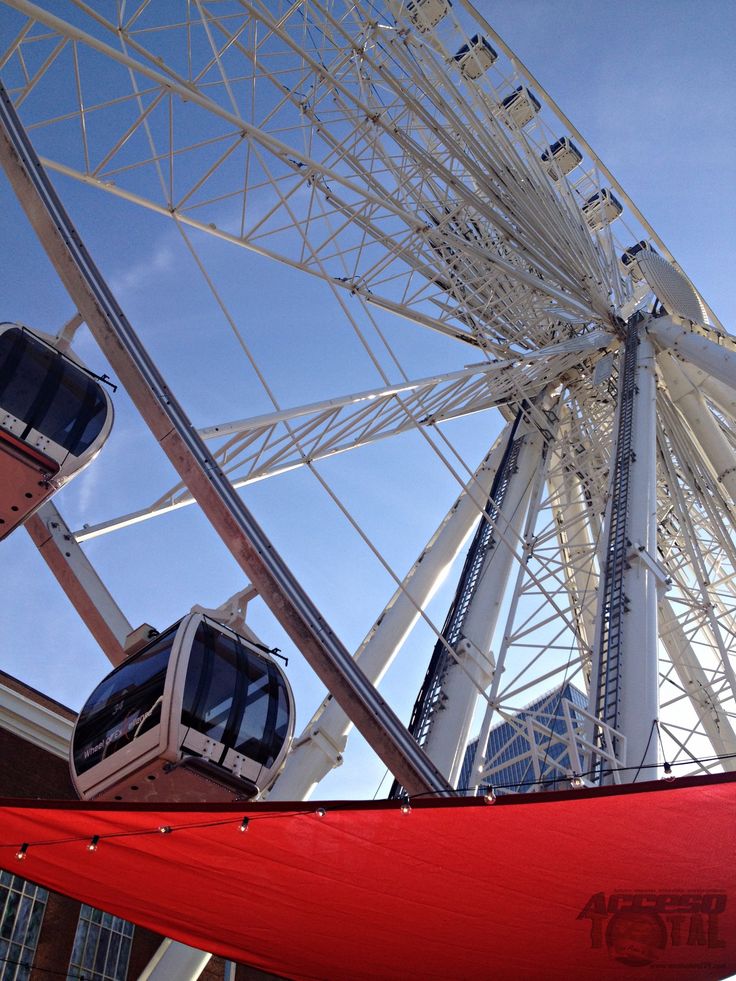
557, 388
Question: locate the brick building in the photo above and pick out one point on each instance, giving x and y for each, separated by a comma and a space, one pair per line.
43, 934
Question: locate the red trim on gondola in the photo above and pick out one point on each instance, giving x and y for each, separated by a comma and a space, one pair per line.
25, 452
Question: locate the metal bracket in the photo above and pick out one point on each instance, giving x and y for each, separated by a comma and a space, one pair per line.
637, 553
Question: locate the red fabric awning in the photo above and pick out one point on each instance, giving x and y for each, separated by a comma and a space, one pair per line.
593, 883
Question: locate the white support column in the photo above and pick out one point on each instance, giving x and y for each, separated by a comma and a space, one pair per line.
575, 536
472, 672
722, 396
639, 690
698, 416
320, 746
693, 347
478, 774
175, 962
695, 682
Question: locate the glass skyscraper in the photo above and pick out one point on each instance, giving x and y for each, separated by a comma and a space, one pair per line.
518, 765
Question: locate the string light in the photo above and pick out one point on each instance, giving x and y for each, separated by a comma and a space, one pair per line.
489, 796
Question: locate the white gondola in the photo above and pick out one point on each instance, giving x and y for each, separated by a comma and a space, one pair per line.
601, 209
561, 157
426, 14
475, 57
54, 417
522, 105
198, 714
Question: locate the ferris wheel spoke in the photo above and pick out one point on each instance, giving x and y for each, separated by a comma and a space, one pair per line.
271, 444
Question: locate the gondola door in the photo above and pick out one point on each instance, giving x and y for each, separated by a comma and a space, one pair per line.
236, 712
212, 690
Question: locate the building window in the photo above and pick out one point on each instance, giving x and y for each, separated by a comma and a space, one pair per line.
22, 906
101, 947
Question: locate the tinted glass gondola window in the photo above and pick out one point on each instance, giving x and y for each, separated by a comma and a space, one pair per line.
123, 706
252, 732
235, 696
211, 683
48, 393
265, 720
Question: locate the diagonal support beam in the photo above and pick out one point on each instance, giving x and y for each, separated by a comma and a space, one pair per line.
84, 588
693, 347
270, 444
222, 506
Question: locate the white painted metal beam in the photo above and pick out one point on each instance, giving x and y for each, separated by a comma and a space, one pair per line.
693, 347
175, 962
698, 416
639, 691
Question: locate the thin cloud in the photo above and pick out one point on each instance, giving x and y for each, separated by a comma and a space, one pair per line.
142, 273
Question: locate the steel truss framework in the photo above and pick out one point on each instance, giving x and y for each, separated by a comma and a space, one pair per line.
352, 142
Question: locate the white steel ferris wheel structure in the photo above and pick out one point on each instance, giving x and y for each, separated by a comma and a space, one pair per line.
402, 155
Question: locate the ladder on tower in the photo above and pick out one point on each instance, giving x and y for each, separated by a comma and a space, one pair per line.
614, 604
431, 696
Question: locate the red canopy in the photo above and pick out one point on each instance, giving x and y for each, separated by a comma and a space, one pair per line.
581, 884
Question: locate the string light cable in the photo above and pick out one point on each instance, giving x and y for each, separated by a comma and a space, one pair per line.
443, 797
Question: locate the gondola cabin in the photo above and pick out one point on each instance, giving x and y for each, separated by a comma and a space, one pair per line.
54, 418
198, 714
522, 106
561, 157
426, 14
601, 209
475, 57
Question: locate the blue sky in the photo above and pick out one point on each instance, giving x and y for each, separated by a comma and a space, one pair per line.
651, 86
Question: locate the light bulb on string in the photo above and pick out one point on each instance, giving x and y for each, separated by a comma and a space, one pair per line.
490, 795
577, 781
668, 774
406, 806
320, 812
21, 853
92, 846
244, 824
165, 829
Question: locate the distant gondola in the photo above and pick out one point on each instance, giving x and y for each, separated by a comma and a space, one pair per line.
199, 714
54, 418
